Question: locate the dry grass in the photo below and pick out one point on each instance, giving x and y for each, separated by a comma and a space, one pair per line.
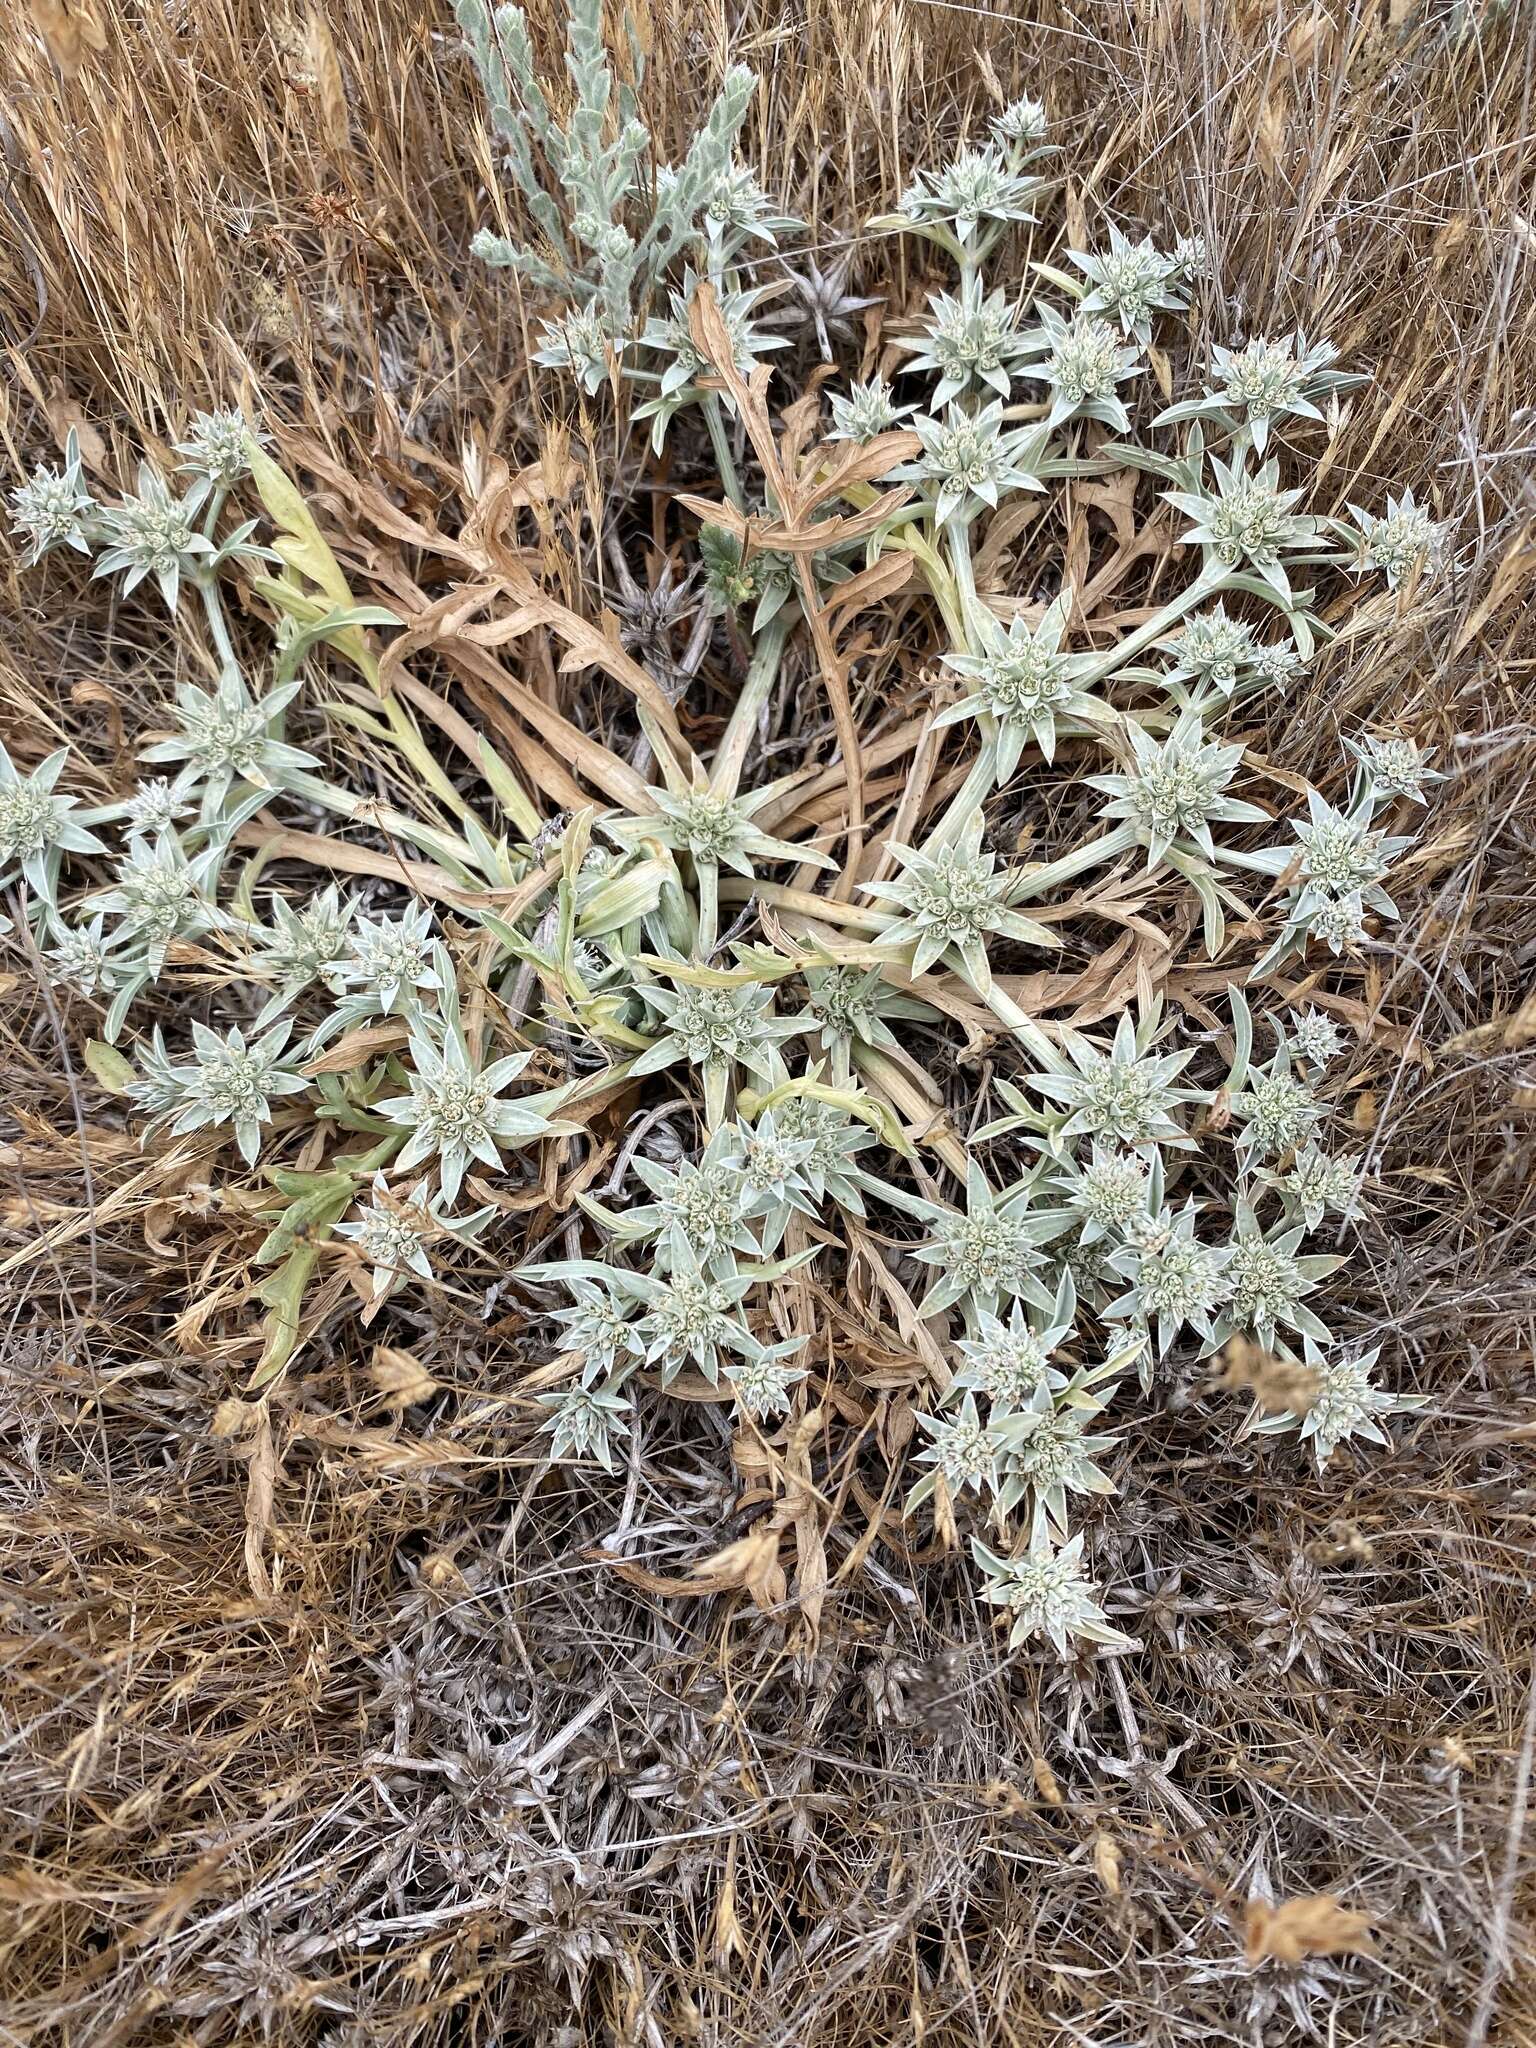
337, 1722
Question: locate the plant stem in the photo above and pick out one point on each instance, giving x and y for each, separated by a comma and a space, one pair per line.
720, 441
762, 674
1097, 851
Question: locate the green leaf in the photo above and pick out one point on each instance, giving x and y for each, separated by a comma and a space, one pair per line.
107, 1067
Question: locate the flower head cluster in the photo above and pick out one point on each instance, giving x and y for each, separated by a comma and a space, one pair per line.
53, 508
579, 343
1396, 541
979, 185
1010, 1362
948, 900
1026, 681
226, 1082
1175, 1278
456, 1111
1248, 519
1085, 363
1177, 789
1126, 1093
988, 1252
1394, 766
1277, 1111
1130, 283
969, 460
1266, 381
37, 824
159, 895
226, 737
218, 446
1046, 1593
968, 339
1218, 654
1346, 1402
866, 412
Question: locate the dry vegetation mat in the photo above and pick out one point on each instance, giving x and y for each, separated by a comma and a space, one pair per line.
765, 834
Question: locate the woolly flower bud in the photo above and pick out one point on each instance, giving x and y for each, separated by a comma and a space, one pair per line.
218, 446
867, 411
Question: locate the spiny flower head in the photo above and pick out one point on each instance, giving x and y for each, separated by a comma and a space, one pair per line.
1176, 790
154, 808
1108, 1191
456, 1111
307, 945
391, 1232
160, 895
737, 209
1394, 766
977, 186
691, 1319
1129, 283
1345, 1403
949, 898
1339, 921
1314, 1037
866, 412
1050, 1453
218, 446
226, 737
1047, 1593
969, 460
1125, 1093
1264, 381
391, 960
833, 1141
1277, 1110
1320, 1186
1341, 852
850, 1005
1021, 121
81, 959
969, 339
963, 1453
599, 1327
153, 534
37, 825
1248, 518
1026, 681
53, 508
989, 1251
1398, 540
583, 1422
717, 830
1175, 1278
1086, 361
1010, 1361
713, 1025
701, 1207
1190, 257
578, 341
1211, 649
227, 1082
761, 1384
1268, 1281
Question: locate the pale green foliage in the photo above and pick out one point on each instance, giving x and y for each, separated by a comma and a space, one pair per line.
748, 1054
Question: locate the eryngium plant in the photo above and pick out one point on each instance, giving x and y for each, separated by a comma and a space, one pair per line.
684, 1036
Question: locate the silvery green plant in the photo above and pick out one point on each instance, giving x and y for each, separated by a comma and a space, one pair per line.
754, 1035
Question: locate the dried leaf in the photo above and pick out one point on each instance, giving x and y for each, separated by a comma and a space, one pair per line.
1106, 1864
401, 1378
71, 31
1318, 1925
1280, 1386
